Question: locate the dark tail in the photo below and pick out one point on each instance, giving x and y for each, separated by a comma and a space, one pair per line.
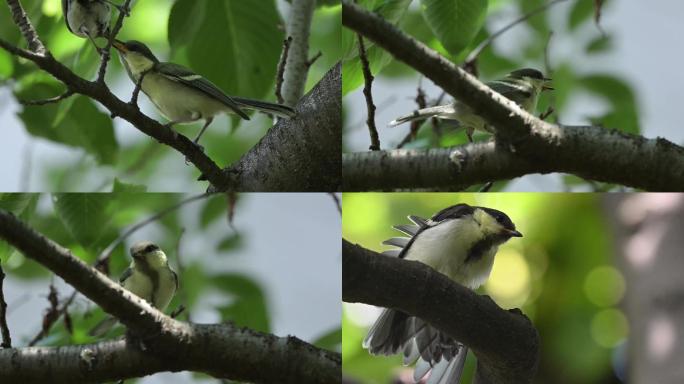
265, 106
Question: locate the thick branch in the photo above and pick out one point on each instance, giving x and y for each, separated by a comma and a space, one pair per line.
296, 66
505, 342
302, 153
592, 153
220, 350
657, 167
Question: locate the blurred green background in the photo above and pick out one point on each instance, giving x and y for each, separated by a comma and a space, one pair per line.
255, 271
76, 146
561, 274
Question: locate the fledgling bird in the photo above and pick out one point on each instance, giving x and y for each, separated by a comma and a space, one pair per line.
88, 18
182, 95
460, 242
522, 86
148, 277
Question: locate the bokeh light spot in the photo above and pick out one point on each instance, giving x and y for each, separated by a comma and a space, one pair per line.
509, 283
609, 327
604, 286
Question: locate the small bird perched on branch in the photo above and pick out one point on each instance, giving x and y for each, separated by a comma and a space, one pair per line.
460, 242
182, 95
89, 18
148, 277
522, 86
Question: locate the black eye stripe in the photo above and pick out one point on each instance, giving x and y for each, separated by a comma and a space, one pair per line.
151, 248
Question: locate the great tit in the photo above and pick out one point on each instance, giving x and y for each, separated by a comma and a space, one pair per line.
149, 277
522, 86
460, 242
88, 18
180, 94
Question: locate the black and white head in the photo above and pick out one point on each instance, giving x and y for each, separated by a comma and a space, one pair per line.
531, 76
149, 253
136, 56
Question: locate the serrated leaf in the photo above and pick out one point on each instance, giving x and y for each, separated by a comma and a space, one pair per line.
84, 215
235, 44
455, 23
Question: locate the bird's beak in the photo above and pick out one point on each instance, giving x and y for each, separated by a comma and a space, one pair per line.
547, 85
120, 46
512, 233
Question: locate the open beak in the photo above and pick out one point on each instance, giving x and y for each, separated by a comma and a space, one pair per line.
512, 233
120, 46
547, 85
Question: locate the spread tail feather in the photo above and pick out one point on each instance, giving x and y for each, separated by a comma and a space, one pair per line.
266, 107
423, 114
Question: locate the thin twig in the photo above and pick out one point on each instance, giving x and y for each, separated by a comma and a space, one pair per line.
53, 313
598, 4
312, 60
51, 100
484, 44
6, 339
280, 78
110, 248
136, 90
368, 83
106, 55
416, 124
179, 275
336, 199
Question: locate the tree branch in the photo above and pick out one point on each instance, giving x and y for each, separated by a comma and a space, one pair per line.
649, 164
297, 67
505, 342
596, 154
223, 350
4, 328
302, 153
27, 30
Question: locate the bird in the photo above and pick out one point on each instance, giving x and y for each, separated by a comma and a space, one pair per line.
89, 18
148, 277
522, 86
182, 95
460, 242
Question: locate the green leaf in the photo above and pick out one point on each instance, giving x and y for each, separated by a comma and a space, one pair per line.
84, 126
624, 114
331, 340
6, 65
214, 208
599, 44
248, 305
84, 215
581, 11
456, 22
15, 202
235, 44
352, 71
230, 242
120, 186
390, 10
